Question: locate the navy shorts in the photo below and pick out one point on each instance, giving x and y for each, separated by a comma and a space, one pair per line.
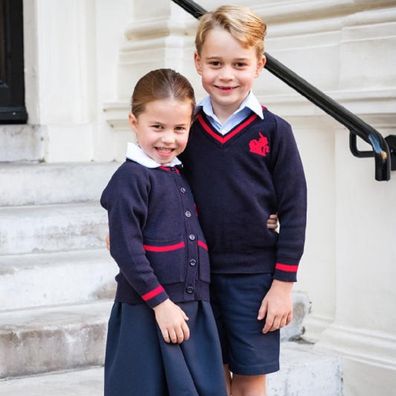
236, 299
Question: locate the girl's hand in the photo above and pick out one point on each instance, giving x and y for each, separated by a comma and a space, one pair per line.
107, 241
171, 320
272, 222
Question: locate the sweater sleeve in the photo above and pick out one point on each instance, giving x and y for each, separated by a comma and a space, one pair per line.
126, 201
290, 185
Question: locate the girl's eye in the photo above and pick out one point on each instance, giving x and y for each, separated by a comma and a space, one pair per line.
215, 63
180, 130
156, 126
240, 65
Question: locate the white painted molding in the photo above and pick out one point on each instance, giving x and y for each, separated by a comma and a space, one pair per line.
366, 346
377, 107
303, 10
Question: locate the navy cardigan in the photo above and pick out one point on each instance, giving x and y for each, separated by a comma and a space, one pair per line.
155, 237
238, 180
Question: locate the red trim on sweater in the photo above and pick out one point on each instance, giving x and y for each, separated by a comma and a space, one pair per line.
286, 267
166, 248
224, 139
153, 293
203, 245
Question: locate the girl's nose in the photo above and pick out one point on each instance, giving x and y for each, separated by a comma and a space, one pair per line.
168, 137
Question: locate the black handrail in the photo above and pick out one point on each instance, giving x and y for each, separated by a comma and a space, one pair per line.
384, 153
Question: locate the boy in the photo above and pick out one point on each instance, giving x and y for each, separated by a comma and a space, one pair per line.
242, 163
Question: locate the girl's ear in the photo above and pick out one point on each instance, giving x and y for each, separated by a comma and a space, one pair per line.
197, 61
132, 121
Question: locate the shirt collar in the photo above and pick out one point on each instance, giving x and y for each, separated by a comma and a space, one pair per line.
135, 153
251, 102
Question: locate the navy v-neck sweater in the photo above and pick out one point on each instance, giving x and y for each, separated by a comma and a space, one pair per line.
238, 180
155, 236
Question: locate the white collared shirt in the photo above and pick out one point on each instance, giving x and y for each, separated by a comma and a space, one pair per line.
135, 153
251, 103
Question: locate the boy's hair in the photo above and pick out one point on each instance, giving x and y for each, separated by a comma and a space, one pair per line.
241, 22
161, 84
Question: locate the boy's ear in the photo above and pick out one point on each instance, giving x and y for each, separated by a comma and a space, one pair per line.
197, 61
132, 120
260, 65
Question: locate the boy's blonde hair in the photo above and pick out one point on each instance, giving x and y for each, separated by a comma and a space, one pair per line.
241, 22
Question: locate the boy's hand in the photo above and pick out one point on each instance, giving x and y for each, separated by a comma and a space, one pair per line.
272, 222
277, 306
107, 241
171, 320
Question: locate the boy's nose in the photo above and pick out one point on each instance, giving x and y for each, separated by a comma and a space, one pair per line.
226, 73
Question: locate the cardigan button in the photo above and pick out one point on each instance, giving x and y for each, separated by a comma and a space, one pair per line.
189, 289
182, 190
191, 237
187, 213
193, 262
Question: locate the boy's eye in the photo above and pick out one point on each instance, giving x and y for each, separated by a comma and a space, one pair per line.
156, 126
240, 65
180, 129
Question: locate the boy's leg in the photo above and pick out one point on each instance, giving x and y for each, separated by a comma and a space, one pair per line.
247, 353
227, 375
248, 385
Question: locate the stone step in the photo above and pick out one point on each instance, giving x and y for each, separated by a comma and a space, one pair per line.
29, 337
53, 338
304, 372
21, 143
34, 229
33, 280
40, 183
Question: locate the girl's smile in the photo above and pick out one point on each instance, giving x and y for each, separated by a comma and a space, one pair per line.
162, 128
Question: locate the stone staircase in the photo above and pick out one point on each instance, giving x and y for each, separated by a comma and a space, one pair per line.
57, 285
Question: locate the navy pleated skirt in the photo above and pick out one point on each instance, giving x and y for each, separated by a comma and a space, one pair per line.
140, 363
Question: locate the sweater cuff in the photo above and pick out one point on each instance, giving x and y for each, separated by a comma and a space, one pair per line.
286, 272
155, 296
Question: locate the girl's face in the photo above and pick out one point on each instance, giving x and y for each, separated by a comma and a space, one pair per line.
162, 129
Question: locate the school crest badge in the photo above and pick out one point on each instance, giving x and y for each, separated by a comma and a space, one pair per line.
259, 146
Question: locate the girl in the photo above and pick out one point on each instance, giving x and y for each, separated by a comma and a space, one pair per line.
162, 337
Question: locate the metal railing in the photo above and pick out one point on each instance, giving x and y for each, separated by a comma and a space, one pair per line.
383, 149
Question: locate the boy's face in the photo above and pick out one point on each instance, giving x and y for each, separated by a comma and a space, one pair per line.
162, 129
227, 70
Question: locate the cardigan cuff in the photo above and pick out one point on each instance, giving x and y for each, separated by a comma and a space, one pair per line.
155, 296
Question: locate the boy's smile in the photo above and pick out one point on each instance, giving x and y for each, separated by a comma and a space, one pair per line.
228, 71
162, 128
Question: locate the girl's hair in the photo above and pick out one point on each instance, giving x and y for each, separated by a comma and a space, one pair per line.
161, 84
241, 22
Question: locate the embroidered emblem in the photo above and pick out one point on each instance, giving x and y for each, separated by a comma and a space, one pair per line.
259, 146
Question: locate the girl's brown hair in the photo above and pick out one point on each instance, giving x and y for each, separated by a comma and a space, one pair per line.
242, 23
161, 84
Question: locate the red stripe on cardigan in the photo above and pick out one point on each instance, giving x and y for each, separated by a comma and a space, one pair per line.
167, 248
286, 267
153, 293
203, 245
229, 135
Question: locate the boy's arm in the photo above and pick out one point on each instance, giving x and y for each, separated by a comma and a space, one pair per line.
291, 191
289, 181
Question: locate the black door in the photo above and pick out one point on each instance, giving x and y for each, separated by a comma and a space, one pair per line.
12, 82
